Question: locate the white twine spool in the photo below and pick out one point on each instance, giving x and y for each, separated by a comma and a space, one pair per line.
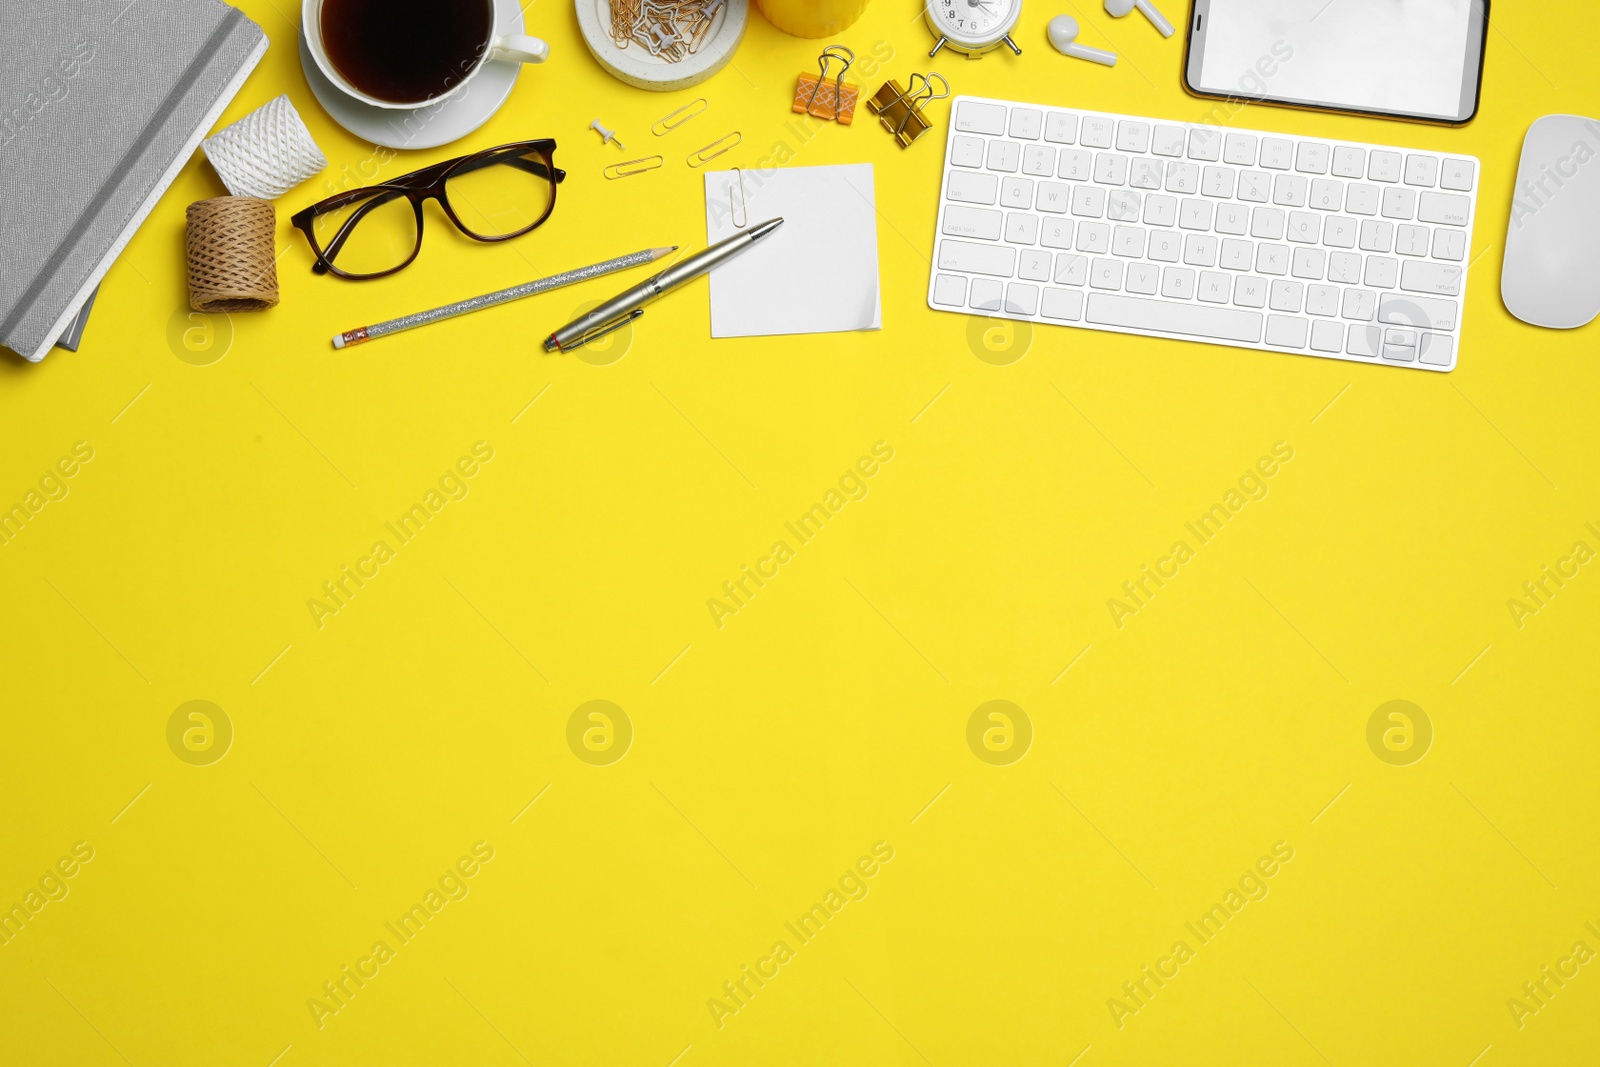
266, 153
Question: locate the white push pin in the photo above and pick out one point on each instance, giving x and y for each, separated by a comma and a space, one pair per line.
1063, 34
605, 134
1118, 8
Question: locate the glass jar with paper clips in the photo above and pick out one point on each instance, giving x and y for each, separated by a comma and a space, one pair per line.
812, 18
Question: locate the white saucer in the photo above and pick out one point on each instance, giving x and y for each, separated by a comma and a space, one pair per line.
431, 125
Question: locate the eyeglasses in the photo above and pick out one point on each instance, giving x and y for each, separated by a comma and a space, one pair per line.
493, 195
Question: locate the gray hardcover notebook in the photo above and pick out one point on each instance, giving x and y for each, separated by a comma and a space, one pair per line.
101, 104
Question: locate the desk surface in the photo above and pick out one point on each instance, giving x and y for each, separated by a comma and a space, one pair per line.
237, 469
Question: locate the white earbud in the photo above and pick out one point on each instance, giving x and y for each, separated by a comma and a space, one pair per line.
1063, 34
1119, 8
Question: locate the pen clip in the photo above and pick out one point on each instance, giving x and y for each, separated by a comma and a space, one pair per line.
600, 331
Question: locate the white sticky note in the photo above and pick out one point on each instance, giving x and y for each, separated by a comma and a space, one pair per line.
817, 273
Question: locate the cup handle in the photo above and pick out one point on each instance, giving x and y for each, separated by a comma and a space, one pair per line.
516, 48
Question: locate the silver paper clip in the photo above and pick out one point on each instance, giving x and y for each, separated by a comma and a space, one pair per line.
701, 156
671, 122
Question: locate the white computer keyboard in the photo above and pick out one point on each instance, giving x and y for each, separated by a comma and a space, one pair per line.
1233, 237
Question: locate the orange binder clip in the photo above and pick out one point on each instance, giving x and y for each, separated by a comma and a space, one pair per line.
813, 94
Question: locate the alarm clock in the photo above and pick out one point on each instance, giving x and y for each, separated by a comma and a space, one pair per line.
972, 27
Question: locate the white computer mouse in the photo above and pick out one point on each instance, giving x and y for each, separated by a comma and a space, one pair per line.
1551, 275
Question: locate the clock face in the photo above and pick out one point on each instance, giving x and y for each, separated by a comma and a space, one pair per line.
977, 21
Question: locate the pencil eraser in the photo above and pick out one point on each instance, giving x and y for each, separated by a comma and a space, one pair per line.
338, 340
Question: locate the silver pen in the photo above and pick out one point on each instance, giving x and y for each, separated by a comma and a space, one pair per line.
624, 308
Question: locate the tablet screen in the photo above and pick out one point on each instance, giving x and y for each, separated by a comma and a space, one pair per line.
1399, 57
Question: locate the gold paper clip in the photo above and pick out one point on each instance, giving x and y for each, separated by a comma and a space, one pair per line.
631, 167
678, 118
701, 156
839, 98
742, 207
900, 110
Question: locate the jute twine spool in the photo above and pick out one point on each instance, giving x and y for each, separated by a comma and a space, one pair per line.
232, 265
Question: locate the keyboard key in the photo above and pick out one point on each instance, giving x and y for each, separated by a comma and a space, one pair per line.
1449, 244
1063, 304
1088, 201
1200, 250
1166, 246
1287, 332
1053, 197
986, 295
1376, 236
1360, 305
1401, 203
1276, 153
972, 188
1105, 274
1143, 278
1095, 131
1236, 254
1168, 141
1182, 177
1436, 349
1447, 208
1022, 228
1061, 127
1213, 289
1305, 227
1322, 300
1406, 338
971, 222
1272, 259
1110, 168
973, 116
1074, 164
1039, 159
1022, 299
1094, 237
1364, 341
1284, 295
1026, 122
1122, 205
1411, 240
1361, 199
1326, 335
1177, 283
1350, 162
1004, 156
1034, 266
998, 260
1309, 263
1440, 279
1133, 136
1250, 291
1189, 320
966, 150
1056, 233
1233, 218
1194, 214
1146, 174
949, 290
1344, 268
1383, 165
1400, 353
1339, 232
1382, 272
1239, 149
1327, 194
1071, 270
1128, 241
1217, 181
1267, 223
1205, 144
1255, 186
1422, 170
1160, 210
1420, 311
1016, 192
1289, 190
1311, 158
1457, 174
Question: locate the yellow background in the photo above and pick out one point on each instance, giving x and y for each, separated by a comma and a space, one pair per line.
825, 716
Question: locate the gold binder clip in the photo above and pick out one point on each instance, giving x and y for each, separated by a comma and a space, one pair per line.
701, 156
671, 122
631, 167
814, 95
900, 110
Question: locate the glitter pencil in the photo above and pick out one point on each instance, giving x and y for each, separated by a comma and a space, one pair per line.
516, 292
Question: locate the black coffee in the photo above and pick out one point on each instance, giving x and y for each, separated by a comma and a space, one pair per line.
405, 51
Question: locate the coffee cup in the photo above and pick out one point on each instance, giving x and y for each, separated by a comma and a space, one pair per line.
408, 54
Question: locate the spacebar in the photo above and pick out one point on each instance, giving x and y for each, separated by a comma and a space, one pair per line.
1196, 320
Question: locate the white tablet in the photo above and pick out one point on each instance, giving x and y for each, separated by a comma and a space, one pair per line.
1410, 59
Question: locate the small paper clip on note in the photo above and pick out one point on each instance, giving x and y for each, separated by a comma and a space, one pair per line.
900, 110
814, 95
